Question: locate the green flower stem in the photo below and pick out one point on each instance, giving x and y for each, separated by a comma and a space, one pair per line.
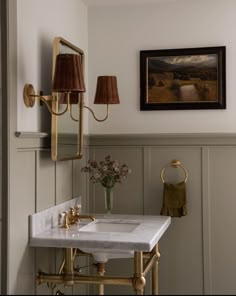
108, 199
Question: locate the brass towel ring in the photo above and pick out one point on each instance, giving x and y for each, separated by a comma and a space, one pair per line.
175, 164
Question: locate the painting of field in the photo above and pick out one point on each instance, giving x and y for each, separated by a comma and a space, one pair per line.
182, 79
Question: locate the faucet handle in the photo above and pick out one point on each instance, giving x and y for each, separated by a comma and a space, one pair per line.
77, 209
72, 212
64, 219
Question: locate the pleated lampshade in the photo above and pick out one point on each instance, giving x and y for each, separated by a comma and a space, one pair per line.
68, 75
107, 91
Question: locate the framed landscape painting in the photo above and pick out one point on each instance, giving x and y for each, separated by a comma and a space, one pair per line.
189, 78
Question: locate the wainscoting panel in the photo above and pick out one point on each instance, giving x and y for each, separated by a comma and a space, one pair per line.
222, 200
198, 250
182, 244
80, 180
39, 183
22, 203
45, 180
0, 249
45, 198
64, 171
128, 199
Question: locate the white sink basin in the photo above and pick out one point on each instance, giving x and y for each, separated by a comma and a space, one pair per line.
106, 226
101, 255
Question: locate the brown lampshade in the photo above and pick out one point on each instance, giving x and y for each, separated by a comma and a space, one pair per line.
68, 75
107, 91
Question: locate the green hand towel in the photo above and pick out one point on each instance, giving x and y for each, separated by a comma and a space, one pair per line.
174, 200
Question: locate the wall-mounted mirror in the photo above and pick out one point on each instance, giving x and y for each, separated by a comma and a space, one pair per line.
67, 135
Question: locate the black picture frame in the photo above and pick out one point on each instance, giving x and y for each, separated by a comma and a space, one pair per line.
184, 78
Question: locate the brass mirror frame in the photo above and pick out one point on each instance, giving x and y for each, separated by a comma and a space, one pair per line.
58, 41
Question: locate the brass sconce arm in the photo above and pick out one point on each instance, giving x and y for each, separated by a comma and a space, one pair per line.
49, 108
97, 119
71, 115
29, 99
100, 120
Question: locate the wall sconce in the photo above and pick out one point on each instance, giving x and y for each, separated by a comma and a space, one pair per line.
68, 78
67, 85
106, 93
69, 81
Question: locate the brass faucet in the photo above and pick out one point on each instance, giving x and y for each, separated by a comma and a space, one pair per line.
73, 217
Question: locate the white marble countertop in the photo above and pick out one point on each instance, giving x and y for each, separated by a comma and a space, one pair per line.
143, 238
140, 232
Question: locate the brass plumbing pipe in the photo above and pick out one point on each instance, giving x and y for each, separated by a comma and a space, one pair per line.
155, 284
101, 272
70, 278
138, 281
83, 279
149, 264
69, 267
64, 260
153, 259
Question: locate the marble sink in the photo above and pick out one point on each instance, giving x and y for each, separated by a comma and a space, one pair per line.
108, 237
109, 226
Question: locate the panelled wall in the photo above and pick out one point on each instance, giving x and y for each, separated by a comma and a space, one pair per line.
0, 145
3, 113
198, 250
38, 183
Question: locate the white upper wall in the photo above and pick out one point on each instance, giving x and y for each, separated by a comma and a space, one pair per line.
38, 23
118, 33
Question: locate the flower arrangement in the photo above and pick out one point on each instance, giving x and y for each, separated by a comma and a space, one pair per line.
107, 172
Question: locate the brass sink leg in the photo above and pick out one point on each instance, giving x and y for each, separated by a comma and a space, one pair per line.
155, 272
138, 280
69, 267
69, 277
101, 272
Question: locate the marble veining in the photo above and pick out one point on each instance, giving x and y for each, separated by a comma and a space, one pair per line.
143, 238
48, 219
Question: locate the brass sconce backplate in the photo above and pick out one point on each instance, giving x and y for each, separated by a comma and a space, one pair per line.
29, 95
